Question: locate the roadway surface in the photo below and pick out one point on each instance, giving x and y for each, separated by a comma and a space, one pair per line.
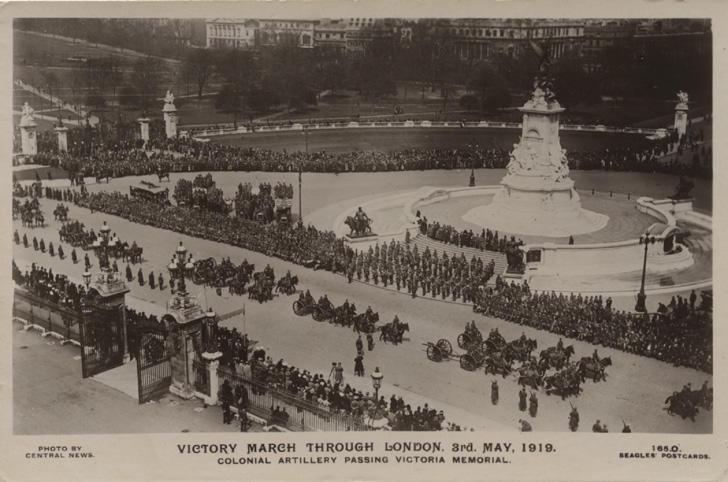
635, 389
388, 139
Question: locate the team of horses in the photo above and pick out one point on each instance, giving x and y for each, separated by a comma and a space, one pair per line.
74, 233
347, 316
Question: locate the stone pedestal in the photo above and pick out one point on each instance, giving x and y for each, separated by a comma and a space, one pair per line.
28, 139
169, 111
681, 119
184, 318
213, 363
62, 133
170, 124
144, 126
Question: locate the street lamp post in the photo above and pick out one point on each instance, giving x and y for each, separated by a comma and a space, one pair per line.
180, 267
472, 165
641, 307
300, 180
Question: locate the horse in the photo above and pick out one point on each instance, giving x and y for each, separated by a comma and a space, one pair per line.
553, 357
358, 227
529, 377
497, 364
520, 349
564, 383
162, 173
363, 324
594, 369
287, 285
389, 332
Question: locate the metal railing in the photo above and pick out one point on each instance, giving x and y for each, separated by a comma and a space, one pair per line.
50, 318
302, 414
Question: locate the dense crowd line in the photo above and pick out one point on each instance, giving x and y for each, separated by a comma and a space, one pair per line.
396, 264
486, 240
120, 158
680, 333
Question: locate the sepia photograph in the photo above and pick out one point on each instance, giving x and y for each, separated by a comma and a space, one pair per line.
302, 227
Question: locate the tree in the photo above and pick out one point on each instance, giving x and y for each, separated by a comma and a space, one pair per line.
146, 80
572, 84
490, 86
230, 100
51, 82
199, 65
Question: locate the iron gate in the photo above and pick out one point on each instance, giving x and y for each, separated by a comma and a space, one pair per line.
154, 368
102, 341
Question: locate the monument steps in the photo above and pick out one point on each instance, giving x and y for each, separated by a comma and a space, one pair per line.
422, 242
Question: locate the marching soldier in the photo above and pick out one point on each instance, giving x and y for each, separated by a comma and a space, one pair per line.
359, 346
522, 397
494, 392
533, 405
370, 342
574, 419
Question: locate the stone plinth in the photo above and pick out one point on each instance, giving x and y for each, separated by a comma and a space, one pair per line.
28, 138
62, 133
528, 206
681, 119
144, 127
170, 124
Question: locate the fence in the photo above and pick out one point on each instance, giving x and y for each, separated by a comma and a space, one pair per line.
48, 317
303, 415
324, 125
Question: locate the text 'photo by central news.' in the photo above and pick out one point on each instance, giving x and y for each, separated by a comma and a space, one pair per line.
363, 241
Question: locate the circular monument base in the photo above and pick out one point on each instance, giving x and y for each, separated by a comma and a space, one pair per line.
553, 213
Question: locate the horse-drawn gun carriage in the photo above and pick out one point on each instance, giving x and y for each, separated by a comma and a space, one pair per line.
439, 351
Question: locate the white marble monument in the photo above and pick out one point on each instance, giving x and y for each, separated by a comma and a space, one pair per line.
681, 114
537, 197
28, 138
170, 115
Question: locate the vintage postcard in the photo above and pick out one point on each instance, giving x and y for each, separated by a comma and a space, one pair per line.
363, 241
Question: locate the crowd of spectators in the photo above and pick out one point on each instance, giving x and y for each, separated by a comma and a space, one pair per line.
396, 264
123, 157
679, 333
325, 395
486, 240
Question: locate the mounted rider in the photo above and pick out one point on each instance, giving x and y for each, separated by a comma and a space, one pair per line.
324, 303
369, 314
308, 299
362, 220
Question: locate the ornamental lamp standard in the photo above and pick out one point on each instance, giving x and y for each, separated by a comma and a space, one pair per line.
86, 278
180, 267
645, 239
377, 384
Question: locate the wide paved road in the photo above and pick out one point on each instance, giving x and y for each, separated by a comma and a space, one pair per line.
635, 389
